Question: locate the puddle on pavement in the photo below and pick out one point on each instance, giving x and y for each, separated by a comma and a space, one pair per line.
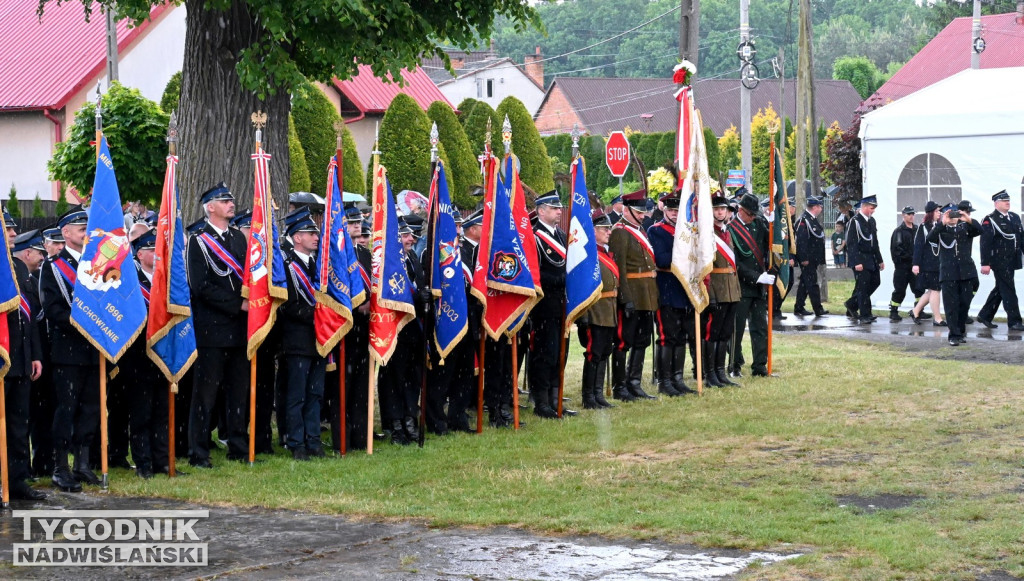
273, 544
872, 504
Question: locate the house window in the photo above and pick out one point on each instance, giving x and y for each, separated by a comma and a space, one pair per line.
928, 177
479, 89
490, 88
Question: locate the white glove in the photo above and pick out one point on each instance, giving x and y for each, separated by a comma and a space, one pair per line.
766, 278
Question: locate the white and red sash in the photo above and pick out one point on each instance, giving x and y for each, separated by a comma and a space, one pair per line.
550, 241
723, 241
606, 259
640, 237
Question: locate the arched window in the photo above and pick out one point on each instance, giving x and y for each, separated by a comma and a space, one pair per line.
928, 176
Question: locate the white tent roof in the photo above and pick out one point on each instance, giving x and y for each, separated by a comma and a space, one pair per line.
974, 102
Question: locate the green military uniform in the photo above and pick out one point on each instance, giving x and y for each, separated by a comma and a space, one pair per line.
598, 327
750, 241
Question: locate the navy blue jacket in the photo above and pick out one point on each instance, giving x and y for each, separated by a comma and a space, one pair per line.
955, 262
670, 291
1002, 240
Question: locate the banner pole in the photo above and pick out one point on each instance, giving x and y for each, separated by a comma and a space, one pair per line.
172, 388
515, 381
371, 386
771, 244
5, 475
342, 426
480, 385
698, 338
252, 411
104, 482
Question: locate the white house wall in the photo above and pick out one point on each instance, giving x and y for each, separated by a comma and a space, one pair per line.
985, 164
508, 81
24, 151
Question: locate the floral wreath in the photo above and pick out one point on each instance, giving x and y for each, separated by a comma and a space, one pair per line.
683, 72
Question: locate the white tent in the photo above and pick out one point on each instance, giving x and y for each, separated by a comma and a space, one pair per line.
959, 139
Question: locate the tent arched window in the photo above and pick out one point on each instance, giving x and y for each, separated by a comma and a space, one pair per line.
928, 176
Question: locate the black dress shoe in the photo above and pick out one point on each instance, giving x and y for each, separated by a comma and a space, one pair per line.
64, 480
200, 463
940, 324
968, 321
22, 491
317, 452
1016, 327
144, 473
121, 463
821, 312
760, 373
801, 313
86, 475
300, 454
778, 315
954, 343
566, 412
987, 322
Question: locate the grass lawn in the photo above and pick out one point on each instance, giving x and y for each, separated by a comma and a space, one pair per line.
757, 467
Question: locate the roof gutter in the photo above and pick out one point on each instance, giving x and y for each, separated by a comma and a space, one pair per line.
362, 114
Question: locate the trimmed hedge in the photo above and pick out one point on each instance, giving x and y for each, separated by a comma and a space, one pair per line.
172, 94
535, 170
464, 109
464, 171
476, 127
299, 178
405, 146
314, 117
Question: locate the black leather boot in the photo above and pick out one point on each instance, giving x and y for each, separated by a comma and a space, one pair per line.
679, 369
721, 350
598, 388
708, 359
619, 390
666, 372
542, 401
589, 370
398, 433
63, 478
81, 470
411, 428
635, 373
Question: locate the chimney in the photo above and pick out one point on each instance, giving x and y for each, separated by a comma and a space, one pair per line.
535, 67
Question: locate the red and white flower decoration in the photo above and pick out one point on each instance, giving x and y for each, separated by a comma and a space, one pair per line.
683, 72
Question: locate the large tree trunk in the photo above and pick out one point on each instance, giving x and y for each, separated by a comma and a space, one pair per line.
217, 136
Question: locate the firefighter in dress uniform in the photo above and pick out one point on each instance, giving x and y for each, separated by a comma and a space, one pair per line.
597, 327
1002, 245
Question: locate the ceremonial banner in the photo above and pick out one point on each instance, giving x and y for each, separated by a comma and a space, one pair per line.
582, 269
447, 282
784, 242
170, 335
10, 300
693, 250
108, 307
391, 306
340, 287
264, 284
507, 275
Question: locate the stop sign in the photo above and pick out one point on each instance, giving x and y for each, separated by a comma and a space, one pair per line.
616, 153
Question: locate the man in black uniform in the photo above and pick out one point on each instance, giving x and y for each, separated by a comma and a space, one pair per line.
956, 269
810, 253
546, 317
357, 341
901, 249
1002, 241
26, 366
216, 258
865, 258
304, 367
76, 371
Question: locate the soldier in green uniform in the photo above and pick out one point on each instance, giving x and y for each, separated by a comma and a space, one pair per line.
750, 235
597, 327
724, 295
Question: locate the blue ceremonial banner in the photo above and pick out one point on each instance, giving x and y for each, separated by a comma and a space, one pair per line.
447, 282
10, 299
391, 305
108, 308
170, 335
582, 269
340, 287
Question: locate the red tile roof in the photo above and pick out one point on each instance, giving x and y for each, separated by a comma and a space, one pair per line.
370, 94
43, 64
949, 53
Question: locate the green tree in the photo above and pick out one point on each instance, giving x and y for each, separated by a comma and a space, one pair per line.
12, 203
714, 154
729, 146
841, 164
476, 127
942, 12
62, 202
297, 156
136, 132
592, 148
667, 148
405, 146
647, 150
37, 207
465, 107
527, 145
247, 55
464, 171
314, 117
169, 102
860, 71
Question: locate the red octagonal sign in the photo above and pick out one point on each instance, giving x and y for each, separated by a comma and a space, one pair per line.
616, 153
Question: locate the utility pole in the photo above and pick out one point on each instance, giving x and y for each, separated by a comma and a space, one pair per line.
111, 46
745, 96
812, 116
808, 154
689, 30
976, 36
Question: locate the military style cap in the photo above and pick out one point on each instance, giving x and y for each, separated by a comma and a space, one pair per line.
52, 233
299, 220
75, 216
217, 192
930, 207
719, 201
197, 226
601, 220
457, 215
616, 200
949, 207
9, 220
765, 203
637, 199
147, 240
474, 219
243, 220
965, 206
750, 203
812, 201
670, 199
869, 200
549, 199
352, 214
30, 239
403, 226
1000, 196
908, 210
366, 229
